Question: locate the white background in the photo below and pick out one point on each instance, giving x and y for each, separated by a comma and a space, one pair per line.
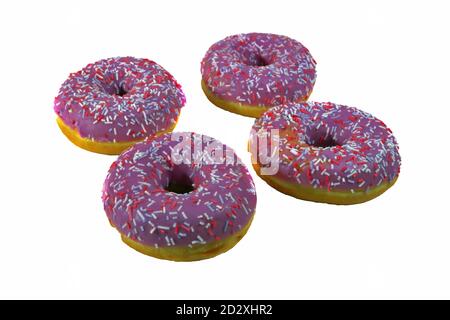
390, 58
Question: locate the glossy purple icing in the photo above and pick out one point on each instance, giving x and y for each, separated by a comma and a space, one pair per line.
139, 206
259, 69
120, 99
330, 146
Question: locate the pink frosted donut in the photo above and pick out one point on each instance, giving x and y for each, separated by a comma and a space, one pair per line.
249, 73
327, 152
180, 204
113, 103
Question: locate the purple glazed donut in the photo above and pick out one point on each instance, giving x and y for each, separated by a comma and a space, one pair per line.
113, 103
180, 196
327, 152
250, 73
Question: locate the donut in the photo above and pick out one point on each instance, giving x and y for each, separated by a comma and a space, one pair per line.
179, 196
325, 152
113, 103
249, 73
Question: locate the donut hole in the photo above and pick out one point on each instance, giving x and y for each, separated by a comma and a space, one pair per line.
325, 142
179, 182
121, 91
116, 90
255, 59
259, 62
320, 139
